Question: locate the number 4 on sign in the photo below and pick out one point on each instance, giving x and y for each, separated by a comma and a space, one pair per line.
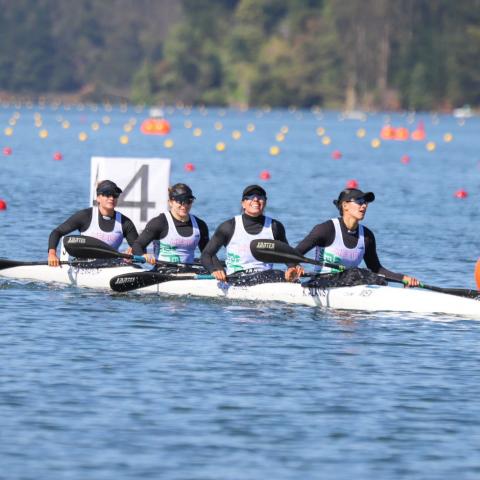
143, 204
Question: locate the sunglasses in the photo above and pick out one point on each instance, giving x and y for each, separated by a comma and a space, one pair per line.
182, 200
359, 201
109, 194
255, 195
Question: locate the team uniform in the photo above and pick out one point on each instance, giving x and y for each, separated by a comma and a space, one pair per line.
111, 230
236, 234
173, 240
334, 243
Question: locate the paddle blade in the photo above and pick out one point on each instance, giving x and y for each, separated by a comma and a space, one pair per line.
81, 246
132, 281
275, 251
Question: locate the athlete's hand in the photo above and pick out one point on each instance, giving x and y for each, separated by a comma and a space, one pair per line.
149, 258
410, 281
53, 260
129, 250
292, 273
220, 275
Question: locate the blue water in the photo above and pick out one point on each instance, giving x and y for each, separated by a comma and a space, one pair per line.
98, 386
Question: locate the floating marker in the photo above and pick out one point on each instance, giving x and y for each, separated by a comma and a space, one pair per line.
477, 273
57, 156
361, 132
326, 140
279, 137
168, 143
250, 127
431, 146
265, 175
82, 136
236, 135
197, 132
448, 137
124, 139
274, 150
220, 147
405, 159
218, 126
352, 183
320, 131
3, 204
375, 143
461, 193
8, 131
7, 151
43, 133
189, 167
336, 154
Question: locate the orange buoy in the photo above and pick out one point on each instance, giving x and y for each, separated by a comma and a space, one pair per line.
7, 151
352, 183
401, 133
57, 156
265, 175
387, 132
3, 204
461, 193
477, 273
336, 154
189, 167
155, 126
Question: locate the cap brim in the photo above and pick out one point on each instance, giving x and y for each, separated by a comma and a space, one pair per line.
369, 197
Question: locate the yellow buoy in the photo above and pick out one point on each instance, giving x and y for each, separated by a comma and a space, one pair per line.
168, 143
375, 143
127, 128
65, 124
82, 136
236, 135
218, 126
326, 140
279, 137
187, 124
106, 120
320, 131
220, 147
448, 137
95, 126
12, 122
197, 132
124, 139
274, 150
431, 146
250, 128
361, 132
284, 130
8, 131
43, 133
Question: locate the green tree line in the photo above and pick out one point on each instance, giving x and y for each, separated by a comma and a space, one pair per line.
415, 54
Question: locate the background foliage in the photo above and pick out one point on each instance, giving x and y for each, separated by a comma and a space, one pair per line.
419, 54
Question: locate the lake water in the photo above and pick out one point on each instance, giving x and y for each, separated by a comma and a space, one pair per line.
99, 386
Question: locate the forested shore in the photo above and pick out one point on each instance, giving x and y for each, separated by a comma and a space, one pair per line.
361, 54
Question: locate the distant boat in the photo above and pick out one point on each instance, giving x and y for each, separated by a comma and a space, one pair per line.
463, 112
353, 115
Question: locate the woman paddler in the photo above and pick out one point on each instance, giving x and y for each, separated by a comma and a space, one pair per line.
345, 241
177, 233
237, 233
102, 222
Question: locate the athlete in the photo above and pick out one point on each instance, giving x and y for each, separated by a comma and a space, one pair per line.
237, 233
102, 222
176, 233
345, 241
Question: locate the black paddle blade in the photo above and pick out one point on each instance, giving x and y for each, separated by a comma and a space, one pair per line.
81, 246
135, 280
275, 251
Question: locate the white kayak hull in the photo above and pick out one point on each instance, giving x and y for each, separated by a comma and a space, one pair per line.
361, 297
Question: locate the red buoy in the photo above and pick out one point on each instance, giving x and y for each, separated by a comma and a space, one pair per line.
57, 156
352, 183
336, 154
189, 167
461, 193
3, 204
265, 175
7, 150
405, 159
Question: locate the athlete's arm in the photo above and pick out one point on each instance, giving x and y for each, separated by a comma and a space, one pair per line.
221, 237
204, 236
321, 235
156, 229
129, 230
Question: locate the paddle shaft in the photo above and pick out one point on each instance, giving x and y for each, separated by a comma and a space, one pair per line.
4, 263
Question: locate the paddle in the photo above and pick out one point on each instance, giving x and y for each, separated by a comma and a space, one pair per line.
4, 263
275, 251
135, 280
82, 246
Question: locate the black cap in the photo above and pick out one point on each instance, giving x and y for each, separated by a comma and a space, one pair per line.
180, 191
352, 194
109, 187
252, 189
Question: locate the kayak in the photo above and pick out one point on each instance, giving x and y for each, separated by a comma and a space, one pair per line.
369, 298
